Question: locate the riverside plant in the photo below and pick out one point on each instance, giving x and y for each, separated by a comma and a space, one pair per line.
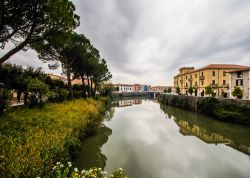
32, 140
62, 171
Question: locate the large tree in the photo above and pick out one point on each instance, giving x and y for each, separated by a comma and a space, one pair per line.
25, 22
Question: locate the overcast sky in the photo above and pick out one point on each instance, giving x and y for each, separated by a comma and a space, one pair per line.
147, 41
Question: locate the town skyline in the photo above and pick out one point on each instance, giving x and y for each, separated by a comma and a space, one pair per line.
151, 52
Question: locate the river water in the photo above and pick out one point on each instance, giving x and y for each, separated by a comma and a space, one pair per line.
150, 140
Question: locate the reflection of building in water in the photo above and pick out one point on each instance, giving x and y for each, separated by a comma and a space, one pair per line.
122, 103
203, 134
188, 129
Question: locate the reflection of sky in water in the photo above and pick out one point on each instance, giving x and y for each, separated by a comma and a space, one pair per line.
147, 144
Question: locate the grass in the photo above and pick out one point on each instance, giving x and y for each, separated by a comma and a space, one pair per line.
33, 140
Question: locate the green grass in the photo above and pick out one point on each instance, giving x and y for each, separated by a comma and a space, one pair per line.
33, 140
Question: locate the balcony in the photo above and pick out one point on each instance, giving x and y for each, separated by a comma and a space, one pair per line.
202, 77
214, 85
190, 79
225, 86
195, 86
186, 87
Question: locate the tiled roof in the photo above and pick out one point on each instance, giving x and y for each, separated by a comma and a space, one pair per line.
222, 66
244, 69
217, 66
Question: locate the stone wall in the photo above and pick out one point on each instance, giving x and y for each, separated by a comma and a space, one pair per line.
191, 102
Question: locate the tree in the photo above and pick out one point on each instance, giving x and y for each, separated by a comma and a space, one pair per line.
177, 90
26, 22
237, 92
191, 90
169, 90
37, 88
209, 90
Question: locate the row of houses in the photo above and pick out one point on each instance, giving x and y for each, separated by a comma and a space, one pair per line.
221, 77
127, 88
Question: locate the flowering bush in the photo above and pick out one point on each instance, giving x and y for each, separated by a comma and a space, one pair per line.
61, 171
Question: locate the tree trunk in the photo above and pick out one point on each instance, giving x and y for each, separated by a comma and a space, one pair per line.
25, 97
89, 90
18, 47
19, 92
91, 84
83, 87
70, 89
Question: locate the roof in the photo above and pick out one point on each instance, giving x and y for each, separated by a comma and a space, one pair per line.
245, 69
222, 66
218, 66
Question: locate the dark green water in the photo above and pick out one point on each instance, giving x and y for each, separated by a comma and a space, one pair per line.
149, 140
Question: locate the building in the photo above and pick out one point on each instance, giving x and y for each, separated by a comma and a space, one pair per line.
57, 77
214, 75
240, 78
159, 89
124, 88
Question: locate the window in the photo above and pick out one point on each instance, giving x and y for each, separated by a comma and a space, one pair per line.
202, 82
190, 76
195, 75
213, 73
239, 75
186, 77
224, 73
239, 82
196, 83
213, 82
224, 82
202, 74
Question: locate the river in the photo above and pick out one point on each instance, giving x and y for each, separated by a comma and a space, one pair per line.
150, 140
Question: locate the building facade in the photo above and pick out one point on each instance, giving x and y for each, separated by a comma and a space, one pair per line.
241, 79
214, 75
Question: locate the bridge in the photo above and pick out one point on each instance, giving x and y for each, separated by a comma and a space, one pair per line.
148, 93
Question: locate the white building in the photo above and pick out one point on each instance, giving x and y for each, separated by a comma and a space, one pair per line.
124, 88
241, 79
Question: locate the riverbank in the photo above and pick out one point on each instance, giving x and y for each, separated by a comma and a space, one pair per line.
235, 111
33, 140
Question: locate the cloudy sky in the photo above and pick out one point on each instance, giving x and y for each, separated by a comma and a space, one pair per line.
146, 41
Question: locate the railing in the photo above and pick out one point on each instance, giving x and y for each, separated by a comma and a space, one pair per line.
225, 86
195, 86
202, 77
214, 85
190, 79
186, 87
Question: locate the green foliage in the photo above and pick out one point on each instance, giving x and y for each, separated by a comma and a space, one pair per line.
209, 90
169, 90
28, 22
191, 90
57, 95
4, 96
208, 106
238, 92
33, 140
106, 90
177, 90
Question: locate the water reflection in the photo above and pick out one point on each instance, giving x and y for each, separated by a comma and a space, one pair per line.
127, 102
210, 131
90, 155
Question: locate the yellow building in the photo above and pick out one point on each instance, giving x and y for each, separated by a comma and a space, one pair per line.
214, 75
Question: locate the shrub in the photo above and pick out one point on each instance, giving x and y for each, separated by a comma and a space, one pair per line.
4, 97
207, 106
32, 140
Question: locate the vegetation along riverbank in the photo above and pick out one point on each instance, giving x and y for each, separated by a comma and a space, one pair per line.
235, 111
33, 140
